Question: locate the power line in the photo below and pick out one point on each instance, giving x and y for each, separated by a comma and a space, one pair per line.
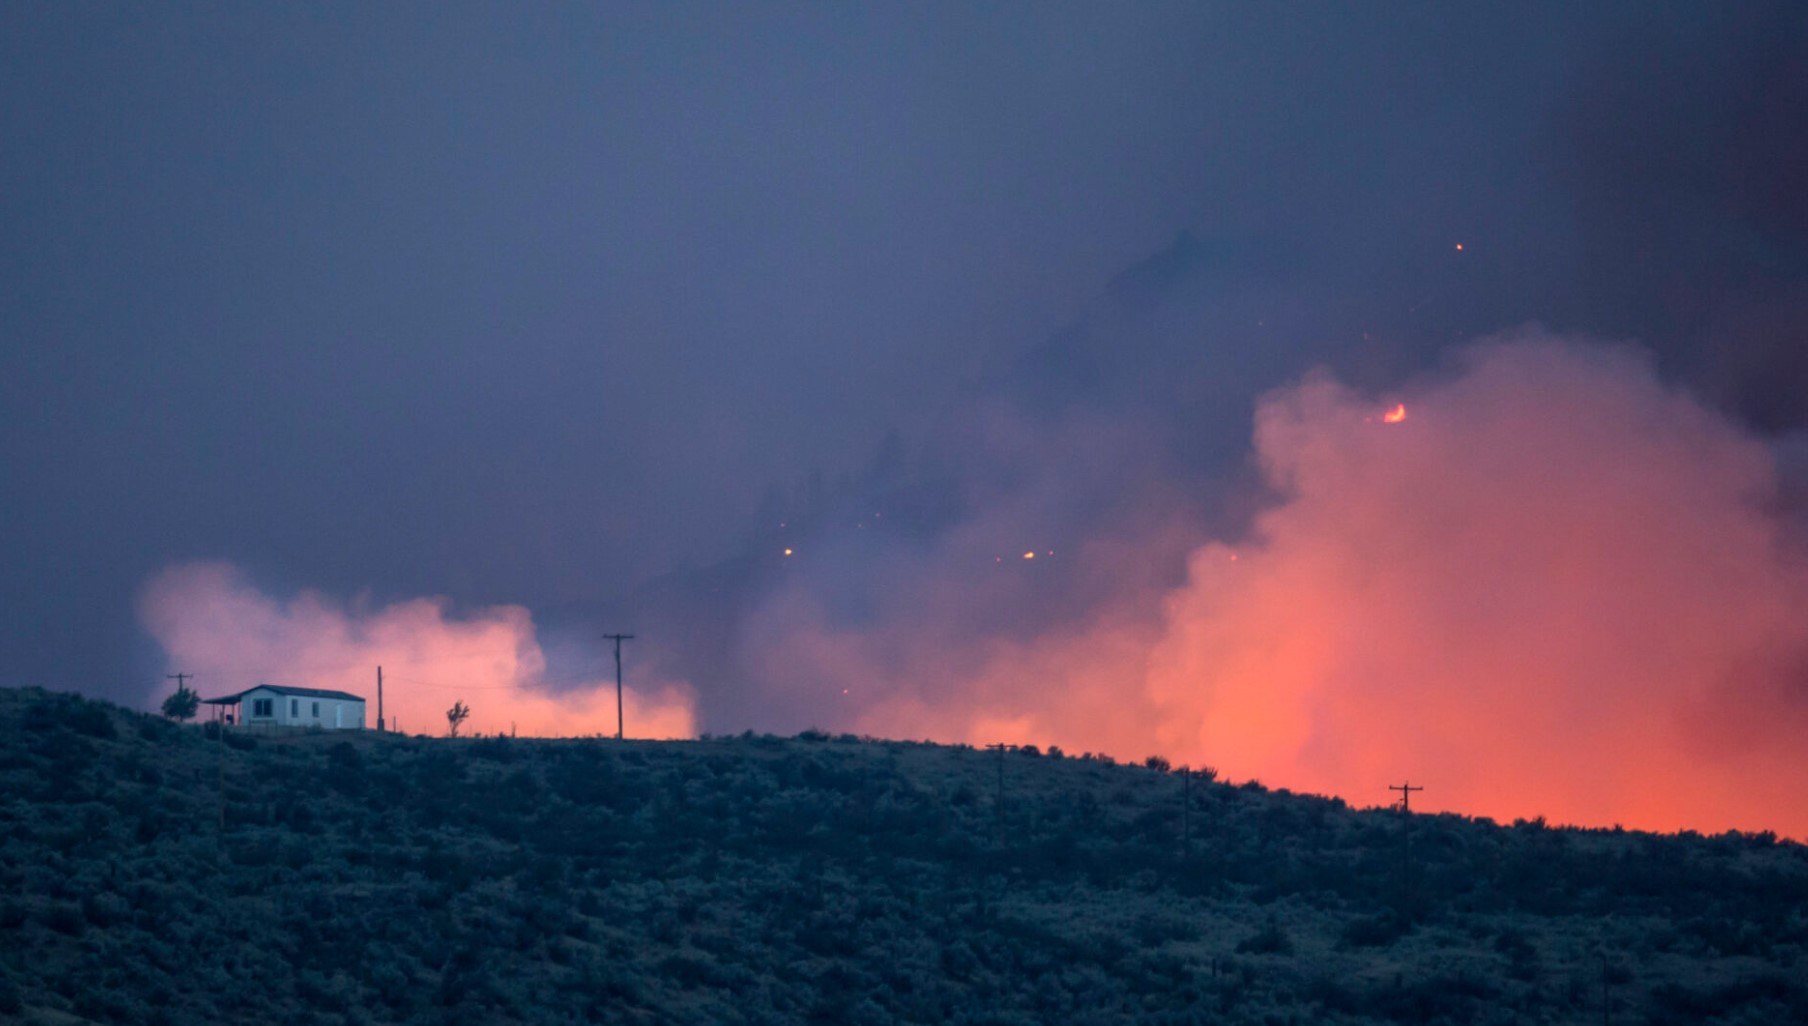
535, 684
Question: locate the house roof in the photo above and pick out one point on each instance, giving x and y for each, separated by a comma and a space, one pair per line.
284, 689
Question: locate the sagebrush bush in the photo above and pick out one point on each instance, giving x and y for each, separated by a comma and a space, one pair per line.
386, 879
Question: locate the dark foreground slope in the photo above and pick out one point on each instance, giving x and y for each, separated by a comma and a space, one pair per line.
383, 879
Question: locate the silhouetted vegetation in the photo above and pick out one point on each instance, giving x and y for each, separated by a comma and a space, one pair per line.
182, 704
364, 878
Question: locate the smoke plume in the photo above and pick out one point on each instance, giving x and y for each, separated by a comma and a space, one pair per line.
212, 623
1542, 581
1547, 584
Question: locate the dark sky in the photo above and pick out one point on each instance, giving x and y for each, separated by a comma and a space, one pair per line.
539, 304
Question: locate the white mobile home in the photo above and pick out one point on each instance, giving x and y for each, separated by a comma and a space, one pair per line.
278, 705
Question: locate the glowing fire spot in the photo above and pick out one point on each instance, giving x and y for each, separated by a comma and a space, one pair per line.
787, 552
1395, 415
1459, 247
1029, 555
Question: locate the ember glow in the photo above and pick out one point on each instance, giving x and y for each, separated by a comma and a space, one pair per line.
1395, 415
1576, 598
214, 625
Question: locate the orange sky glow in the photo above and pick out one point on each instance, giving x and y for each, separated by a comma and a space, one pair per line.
1561, 589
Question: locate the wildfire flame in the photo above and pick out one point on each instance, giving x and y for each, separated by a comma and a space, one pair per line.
1395, 415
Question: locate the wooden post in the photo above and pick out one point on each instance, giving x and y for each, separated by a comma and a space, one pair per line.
619, 721
1407, 892
998, 803
1000, 749
379, 700
1406, 791
221, 781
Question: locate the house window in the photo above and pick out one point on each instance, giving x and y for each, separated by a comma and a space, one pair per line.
263, 707
294, 708
316, 710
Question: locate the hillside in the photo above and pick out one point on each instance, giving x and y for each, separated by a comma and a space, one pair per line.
383, 879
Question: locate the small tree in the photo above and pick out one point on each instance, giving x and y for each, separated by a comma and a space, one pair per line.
456, 716
183, 704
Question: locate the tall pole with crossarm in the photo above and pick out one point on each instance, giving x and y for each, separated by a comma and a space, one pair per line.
1406, 791
618, 639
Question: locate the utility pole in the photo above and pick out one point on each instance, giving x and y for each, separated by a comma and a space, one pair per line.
1408, 895
1406, 791
998, 805
379, 700
181, 679
618, 639
1000, 749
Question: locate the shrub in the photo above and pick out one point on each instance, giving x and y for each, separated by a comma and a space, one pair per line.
1158, 764
183, 704
104, 910
65, 917
1269, 940
1377, 931
496, 749
89, 719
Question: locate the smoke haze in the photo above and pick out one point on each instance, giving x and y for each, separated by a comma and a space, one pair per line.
212, 623
1557, 587
780, 336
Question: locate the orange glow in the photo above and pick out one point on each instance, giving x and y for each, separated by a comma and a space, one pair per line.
1459, 247
787, 552
1395, 415
231, 637
1596, 620
1574, 599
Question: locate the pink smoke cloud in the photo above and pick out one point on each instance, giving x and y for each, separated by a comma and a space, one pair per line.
1556, 587
211, 622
